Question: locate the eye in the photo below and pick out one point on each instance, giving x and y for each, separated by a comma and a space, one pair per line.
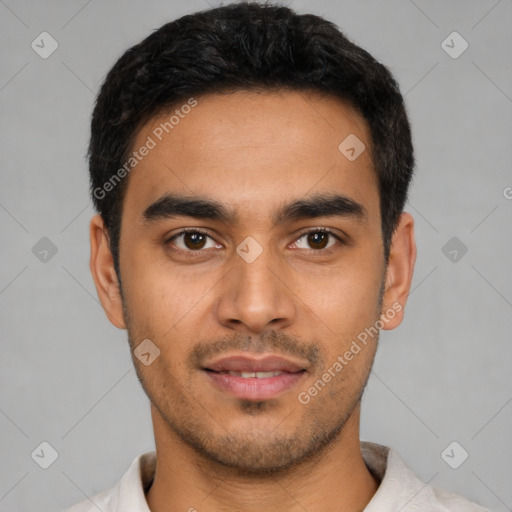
318, 239
193, 240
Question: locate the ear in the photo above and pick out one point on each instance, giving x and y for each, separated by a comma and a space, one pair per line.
104, 274
402, 258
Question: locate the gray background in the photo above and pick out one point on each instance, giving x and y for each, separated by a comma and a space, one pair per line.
65, 373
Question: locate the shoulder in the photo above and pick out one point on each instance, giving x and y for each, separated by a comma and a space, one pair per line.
129, 493
400, 489
102, 501
451, 502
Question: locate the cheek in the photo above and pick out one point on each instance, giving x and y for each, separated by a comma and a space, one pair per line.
146, 291
344, 297
164, 303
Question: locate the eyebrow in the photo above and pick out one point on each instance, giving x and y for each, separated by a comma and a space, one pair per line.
321, 205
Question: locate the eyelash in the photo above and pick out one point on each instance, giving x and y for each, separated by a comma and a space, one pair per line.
302, 235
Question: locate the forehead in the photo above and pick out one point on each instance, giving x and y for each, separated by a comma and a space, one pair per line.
254, 149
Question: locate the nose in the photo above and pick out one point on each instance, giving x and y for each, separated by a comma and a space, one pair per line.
255, 297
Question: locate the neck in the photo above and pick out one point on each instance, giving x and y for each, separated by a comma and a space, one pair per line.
185, 481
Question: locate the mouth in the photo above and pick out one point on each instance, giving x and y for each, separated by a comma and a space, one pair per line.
255, 378
254, 375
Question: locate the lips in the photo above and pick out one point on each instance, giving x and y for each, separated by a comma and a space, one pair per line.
255, 378
256, 375
243, 363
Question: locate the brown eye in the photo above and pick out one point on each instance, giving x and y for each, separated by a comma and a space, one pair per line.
318, 240
193, 241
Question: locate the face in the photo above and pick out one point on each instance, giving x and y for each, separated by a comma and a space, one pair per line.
251, 257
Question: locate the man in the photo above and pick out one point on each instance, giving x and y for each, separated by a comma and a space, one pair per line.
250, 167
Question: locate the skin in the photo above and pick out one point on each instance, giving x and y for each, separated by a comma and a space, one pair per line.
255, 152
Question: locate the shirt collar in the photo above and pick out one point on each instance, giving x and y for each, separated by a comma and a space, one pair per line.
398, 488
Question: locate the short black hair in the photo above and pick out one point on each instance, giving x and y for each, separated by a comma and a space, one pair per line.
245, 46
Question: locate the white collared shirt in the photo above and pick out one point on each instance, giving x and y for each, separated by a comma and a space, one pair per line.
399, 489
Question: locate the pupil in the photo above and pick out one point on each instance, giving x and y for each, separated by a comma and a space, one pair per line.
318, 239
194, 240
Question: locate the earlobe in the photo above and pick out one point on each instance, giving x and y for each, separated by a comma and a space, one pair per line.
103, 273
402, 258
